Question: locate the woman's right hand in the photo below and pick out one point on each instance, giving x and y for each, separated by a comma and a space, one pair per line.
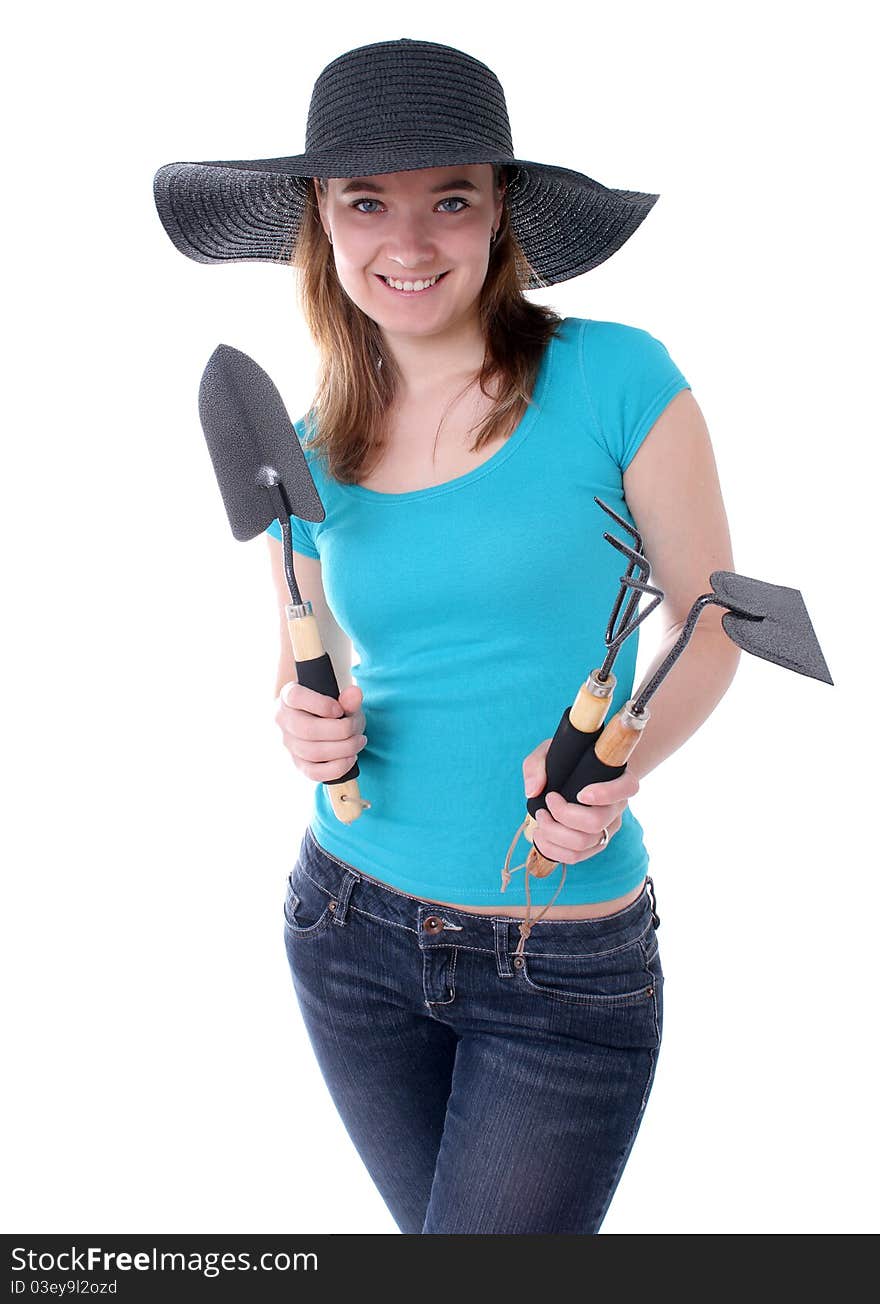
323, 735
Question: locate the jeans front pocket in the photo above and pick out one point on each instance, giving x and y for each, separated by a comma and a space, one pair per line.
617, 990
308, 908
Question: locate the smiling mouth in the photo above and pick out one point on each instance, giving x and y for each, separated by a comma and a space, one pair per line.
419, 286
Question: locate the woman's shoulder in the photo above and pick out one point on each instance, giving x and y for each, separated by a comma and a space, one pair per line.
592, 346
590, 342
614, 349
599, 331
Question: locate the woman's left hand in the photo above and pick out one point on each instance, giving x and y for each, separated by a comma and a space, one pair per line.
571, 831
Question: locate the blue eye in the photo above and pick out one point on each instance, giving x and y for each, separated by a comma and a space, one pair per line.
356, 204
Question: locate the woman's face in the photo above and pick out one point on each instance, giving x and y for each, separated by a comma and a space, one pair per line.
411, 227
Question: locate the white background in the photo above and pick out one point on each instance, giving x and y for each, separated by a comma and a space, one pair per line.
158, 1076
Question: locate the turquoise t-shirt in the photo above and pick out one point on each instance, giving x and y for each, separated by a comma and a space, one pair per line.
476, 609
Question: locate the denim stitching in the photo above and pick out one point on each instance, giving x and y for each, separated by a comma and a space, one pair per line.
555, 955
451, 996
314, 881
649, 988
318, 926
574, 998
490, 950
650, 1081
655, 981
591, 955
549, 955
291, 901
380, 919
594, 955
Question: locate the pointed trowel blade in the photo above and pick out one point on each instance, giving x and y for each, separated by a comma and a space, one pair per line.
770, 621
252, 441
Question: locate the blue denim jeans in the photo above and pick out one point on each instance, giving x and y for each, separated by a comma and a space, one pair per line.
486, 1093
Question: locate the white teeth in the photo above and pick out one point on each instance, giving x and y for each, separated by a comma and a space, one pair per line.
410, 285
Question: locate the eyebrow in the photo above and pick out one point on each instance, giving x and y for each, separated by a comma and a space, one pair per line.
458, 183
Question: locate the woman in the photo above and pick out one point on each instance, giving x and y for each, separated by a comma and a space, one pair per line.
457, 439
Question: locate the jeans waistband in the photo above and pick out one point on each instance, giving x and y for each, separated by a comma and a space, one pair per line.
444, 926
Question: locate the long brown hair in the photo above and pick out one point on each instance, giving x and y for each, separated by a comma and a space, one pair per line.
347, 419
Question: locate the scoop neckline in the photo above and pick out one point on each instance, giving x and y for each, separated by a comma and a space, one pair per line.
507, 449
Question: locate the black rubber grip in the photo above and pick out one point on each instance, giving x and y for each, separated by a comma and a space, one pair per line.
565, 752
319, 675
589, 770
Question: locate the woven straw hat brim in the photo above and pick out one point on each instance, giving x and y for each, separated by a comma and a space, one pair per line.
250, 210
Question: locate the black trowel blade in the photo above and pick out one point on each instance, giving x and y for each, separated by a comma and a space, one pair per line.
770, 621
252, 439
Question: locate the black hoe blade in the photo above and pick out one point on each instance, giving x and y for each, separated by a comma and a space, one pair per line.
770, 621
253, 444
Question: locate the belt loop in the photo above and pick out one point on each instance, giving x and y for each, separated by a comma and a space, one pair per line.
502, 947
655, 918
341, 911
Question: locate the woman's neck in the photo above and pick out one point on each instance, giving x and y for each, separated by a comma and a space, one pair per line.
432, 363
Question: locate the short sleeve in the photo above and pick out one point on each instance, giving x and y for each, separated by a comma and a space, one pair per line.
302, 533
300, 536
629, 378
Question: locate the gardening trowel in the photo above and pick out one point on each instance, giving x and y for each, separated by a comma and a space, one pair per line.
263, 476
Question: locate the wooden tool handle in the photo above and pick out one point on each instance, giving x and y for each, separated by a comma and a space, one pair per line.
591, 705
620, 736
315, 669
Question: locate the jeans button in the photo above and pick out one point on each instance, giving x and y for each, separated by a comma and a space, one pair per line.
432, 924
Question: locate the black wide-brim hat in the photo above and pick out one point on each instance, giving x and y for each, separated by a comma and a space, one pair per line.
393, 107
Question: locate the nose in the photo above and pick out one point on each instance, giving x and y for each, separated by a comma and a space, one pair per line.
408, 245
412, 258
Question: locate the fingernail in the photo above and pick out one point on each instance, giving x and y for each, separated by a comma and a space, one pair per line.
585, 794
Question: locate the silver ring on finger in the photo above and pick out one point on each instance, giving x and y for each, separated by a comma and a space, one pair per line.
603, 840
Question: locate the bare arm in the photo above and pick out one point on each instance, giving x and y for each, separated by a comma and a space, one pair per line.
336, 641
672, 490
